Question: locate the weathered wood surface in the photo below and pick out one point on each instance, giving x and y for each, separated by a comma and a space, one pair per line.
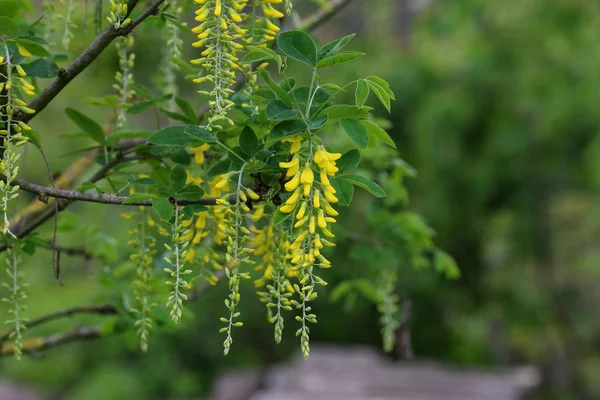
362, 374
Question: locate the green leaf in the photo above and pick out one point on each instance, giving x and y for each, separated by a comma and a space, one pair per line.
257, 54
316, 124
277, 110
199, 134
87, 125
366, 184
348, 161
288, 128
181, 156
30, 28
128, 134
446, 265
178, 178
248, 142
134, 198
362, 92
279, 217
381, 94
340, 111
139, 107
34, 48
187, 109
10, 8
171, 136
191, 192
299, 46
219, 168
163, 208
8, 27
175, 115
144, 181
338, 59
373, 129
278, 90
109, 101
33, 137
384, 85
356, 131
41, 68
141, 90
332, 48
343, 191
182, 64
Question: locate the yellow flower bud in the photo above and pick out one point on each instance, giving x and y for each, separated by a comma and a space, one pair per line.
20, 70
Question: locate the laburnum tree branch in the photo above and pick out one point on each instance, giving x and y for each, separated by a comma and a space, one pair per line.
35, 345
66, 197
67, 74
45, 191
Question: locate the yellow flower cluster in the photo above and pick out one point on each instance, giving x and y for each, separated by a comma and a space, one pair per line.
264, 29
201, 251
310, 203
118, 14
13, 131
272, 244
218, 33
237, 254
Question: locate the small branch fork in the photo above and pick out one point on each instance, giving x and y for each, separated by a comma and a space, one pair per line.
65, 197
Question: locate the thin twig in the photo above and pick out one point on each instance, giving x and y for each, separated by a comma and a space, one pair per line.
32, 346
66, 75
100, 309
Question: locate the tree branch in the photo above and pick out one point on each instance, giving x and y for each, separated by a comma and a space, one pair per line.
34, 345
101, 309
66, 75
73, 195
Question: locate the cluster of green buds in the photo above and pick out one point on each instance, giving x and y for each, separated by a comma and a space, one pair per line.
219, 34
11, 131
69, 25
236, 238
388, 308
124, 76
178, 248
272, 244
17, 295
49, 21
118, 14
167, 78
143, 245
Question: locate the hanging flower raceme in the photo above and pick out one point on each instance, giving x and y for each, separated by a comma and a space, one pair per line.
310, 203
13, 82
69, 25
178, 248
218, 35
238, 254
16, 296
124, 77
143, 245
271, 243
172, 50
263, 28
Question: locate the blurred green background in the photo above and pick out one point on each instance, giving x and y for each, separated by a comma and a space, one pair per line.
498, 109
